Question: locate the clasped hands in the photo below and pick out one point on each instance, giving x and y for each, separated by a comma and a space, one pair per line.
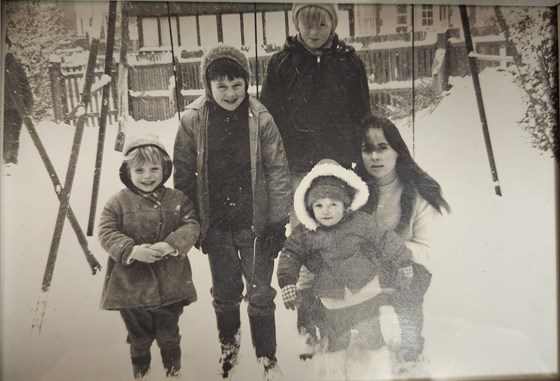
152, 253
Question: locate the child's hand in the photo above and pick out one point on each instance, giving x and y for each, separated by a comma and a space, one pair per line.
164, 247
290, 296
144, 253
404, 277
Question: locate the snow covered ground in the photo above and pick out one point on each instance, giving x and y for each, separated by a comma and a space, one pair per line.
491, 308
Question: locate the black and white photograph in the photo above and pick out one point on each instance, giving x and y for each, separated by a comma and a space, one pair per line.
279, 191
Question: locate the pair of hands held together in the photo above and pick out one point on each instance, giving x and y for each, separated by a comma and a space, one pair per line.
292, 298
152, 253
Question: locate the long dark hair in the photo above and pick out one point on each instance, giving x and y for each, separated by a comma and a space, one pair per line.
413, 178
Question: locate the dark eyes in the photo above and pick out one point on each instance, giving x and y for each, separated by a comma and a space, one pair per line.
379, 148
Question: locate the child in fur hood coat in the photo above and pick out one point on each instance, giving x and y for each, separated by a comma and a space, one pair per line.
147, 230
345, 250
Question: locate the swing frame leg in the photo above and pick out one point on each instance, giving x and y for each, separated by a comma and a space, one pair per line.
66, 191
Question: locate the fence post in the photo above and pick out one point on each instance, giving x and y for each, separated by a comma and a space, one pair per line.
55, 74
440, 65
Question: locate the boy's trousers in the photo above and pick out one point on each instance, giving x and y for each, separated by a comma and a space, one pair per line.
144, 325
235, 256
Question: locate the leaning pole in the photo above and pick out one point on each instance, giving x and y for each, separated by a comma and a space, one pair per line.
478, 92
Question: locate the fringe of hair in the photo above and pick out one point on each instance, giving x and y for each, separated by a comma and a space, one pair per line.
146, 154
313, 16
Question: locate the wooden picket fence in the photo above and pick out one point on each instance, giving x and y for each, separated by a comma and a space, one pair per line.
150, 74
66, 88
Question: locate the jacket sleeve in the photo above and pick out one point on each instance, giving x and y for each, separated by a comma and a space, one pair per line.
361, 102
111, 238
276, 171
292, 257
423, 222
186, 235
272, 94
185, 157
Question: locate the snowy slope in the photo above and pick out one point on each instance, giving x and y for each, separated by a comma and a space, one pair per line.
491, 308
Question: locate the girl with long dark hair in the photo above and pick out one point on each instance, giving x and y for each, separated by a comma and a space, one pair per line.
406, 199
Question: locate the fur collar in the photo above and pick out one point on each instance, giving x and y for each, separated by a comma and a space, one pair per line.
330, 168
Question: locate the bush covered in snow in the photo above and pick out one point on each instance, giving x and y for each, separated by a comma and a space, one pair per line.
37, 30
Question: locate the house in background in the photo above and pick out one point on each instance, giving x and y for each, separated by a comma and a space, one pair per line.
192, 26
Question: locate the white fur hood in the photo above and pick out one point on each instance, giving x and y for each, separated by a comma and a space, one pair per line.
328, 168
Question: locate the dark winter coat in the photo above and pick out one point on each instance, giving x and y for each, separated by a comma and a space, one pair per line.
317, 102
271, 189
347, 255
130, 219
16, 85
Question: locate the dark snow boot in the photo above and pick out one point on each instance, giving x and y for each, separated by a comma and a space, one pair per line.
171, 359
263, 333
229, 324
411, 320
272, 371
141, 366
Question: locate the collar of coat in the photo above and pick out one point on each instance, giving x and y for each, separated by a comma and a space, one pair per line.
255, 107
328, 169
336, 46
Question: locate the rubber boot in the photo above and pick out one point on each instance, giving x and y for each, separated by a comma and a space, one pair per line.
411, 320
141, 366
171, 359
263, 333
229, 324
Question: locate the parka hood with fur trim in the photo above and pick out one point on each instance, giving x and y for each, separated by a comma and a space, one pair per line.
328, 168
143, 141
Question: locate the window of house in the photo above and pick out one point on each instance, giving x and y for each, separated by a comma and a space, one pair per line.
208, 30
402, 19
427, 15
150, 31
365, 19
189, 39
275, 28
442, 13
231, 27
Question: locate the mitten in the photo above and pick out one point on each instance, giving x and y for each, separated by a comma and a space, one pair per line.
290, 296
273, 238
143, 253
404, 277
165, 248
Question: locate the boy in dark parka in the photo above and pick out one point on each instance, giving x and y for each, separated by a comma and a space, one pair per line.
230, 159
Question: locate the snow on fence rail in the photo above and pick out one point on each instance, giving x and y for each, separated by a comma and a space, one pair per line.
151, 79
66, 87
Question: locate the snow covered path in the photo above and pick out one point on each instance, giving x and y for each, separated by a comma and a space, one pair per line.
491, 308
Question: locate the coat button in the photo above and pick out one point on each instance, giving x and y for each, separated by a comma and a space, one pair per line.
155, 206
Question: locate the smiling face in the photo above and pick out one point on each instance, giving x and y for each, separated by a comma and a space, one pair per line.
328, 211
146, 176
314, 29
228, 94
379, 157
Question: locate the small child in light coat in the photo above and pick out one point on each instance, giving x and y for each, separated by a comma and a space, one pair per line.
345, 250
147, 230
